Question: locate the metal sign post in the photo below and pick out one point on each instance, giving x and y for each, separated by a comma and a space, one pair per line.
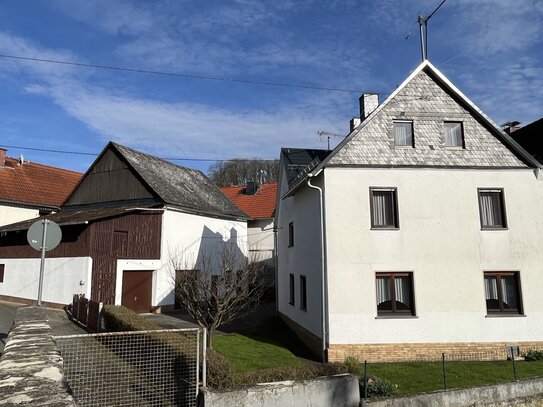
43, 235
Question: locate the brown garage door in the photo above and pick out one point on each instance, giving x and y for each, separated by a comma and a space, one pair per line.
137, 287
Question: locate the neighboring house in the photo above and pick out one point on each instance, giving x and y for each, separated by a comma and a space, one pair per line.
129, 216
531, 138
430, 238
258, 202
28, 190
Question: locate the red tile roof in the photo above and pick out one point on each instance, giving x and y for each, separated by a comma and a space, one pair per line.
35, 184
258, 206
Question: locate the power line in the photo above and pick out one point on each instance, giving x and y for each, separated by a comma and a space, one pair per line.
181, 75
46, 150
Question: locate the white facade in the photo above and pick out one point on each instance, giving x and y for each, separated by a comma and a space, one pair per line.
261, 239
63, 277
13, 214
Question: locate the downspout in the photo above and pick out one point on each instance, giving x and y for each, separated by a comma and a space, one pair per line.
323, 263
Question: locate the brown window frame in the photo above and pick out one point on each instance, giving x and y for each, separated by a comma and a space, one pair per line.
396, 223
396, 145
501, 310
292, 292
303, 293
291, 234
394, 311
501, 192
462, 145
2, 268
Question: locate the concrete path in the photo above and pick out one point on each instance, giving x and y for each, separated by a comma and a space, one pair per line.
7, 315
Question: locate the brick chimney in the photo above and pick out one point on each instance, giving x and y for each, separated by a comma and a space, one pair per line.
3, 157
368, 103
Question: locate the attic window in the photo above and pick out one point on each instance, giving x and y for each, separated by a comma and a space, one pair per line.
454, 134
403, 133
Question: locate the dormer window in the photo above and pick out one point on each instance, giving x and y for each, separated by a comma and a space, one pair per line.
403, 133
454, 134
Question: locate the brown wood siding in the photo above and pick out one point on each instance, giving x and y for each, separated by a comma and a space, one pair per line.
109, 180
75, 243
132, 236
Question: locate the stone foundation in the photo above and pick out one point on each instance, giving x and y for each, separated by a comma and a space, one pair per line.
427, 351
312, 341
27, 301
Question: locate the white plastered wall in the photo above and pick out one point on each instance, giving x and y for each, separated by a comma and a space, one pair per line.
63, 277
12, 214
188, 235
440, 240
260, 238
303, 258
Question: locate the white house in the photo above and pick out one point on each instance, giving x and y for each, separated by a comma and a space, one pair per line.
130, 215
419, 234
28, 189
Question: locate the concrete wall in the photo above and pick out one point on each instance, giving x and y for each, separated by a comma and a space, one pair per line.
303, 258
525, 393
31, 365
12, 214
334, 391
441, 242
64, 277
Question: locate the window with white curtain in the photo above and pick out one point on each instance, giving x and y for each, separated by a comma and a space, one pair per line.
395, 293
492, 208
403, 133
454, 134
502, 291
384, 208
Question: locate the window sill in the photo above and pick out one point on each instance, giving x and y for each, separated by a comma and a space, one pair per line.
505, 315
303, 309
493, 229
374, 228
398, 316
457, 148
404, 147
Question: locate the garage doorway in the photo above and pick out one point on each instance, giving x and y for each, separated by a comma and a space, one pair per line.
137, 290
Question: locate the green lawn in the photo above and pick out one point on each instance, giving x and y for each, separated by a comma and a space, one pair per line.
251, 353
418, 377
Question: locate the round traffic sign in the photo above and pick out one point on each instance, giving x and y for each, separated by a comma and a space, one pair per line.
35, 235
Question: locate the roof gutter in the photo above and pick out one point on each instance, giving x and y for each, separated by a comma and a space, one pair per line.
310, 176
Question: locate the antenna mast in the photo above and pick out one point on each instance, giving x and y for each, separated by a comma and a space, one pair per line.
423, 21
326, 134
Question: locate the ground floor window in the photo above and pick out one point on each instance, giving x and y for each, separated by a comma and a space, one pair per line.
291, 289
303, 294
395, 294
502, 291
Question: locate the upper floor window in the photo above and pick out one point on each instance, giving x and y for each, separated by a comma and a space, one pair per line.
291, 234
492, 208
395, 293
384, 208
502, 290
403, 133
454, 134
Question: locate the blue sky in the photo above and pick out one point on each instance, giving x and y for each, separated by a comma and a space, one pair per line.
491, 49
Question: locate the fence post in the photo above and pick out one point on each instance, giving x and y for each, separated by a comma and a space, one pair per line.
204, 358
444, 371
365, 380
513, 363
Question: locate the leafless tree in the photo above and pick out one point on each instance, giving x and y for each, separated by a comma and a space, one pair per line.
220, 286
240, 171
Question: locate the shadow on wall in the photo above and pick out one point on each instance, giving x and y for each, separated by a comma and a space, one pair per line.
218, 253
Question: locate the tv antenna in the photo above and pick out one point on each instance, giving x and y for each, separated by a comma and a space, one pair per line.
327, 135
423, 29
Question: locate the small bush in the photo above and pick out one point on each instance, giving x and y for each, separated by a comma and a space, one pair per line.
533, 355
353, 365
377, 387
219, 370
120, 319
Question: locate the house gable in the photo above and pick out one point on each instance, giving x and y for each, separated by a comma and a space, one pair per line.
110, 179
427, 101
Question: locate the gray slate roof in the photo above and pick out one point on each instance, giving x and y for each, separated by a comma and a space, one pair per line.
180, 186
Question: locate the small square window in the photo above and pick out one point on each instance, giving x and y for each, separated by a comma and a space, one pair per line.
403, 134
454, 134
291, 234
395, 294
384, 208
291, 300
492, 209
2, 266
502, 291
303, 294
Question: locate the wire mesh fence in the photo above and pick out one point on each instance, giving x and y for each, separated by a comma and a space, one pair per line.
143, 368
451, 371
